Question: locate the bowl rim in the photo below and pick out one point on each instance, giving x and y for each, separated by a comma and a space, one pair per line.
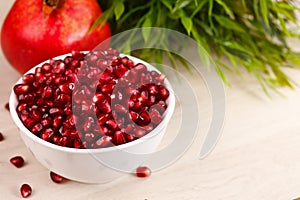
167, 116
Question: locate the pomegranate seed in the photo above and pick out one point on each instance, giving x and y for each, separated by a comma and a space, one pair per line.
17, 161
28, 78
144, 118
155, 116
163, 92
47, 134
21, 89
7, 106
56, 178
143, 172
104, 141
119, 138
1, 136
25, 190
36, 128
67, 88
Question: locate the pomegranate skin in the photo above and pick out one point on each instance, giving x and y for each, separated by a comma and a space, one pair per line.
28, 36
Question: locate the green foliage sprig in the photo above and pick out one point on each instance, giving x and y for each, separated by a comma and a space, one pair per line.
249, 33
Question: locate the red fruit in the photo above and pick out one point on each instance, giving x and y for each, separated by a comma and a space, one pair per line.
25, 190
7, 106
34, 31
56, 178
17, 161
143, 172
1, 137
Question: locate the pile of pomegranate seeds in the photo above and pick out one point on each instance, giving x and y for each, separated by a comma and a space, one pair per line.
93, 100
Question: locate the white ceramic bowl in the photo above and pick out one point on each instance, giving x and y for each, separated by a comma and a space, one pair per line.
93, 165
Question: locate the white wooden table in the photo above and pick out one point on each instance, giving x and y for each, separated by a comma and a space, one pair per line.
257, 157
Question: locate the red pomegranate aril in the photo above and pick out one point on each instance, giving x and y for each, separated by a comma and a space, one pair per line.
29, 123
28, 78
25, 190
21, 89
46, 122
103, 130
102, 118
46, 68
77, 144
56, 178
1, 137
35, 114
163, 92
112, 124
136, 106
144, 118
57, 121
39, 78
129, 137
119, 138
21, 106
155, 116
88, 124
133, 116
67, 88
6, 106
89, 137
140, 68
104, 141
104, 106
36, 128
59, 67
47, 134
17, 161
55, 111
143, 172
107, 88
62, 99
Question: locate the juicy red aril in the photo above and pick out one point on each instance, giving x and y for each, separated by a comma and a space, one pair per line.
56, 178
7, 106
119, 138
28, 78
21, 89
143, 118
104, 141
143, 172
91, 100
1, 136
25, 190
17, 161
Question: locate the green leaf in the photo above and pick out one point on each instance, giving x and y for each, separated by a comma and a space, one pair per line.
228, 23
119, 9
226, 8
198, 8
187, 23
180, 4
146, 31
264, 11
167, 4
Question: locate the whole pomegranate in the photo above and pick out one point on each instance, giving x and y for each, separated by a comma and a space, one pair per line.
36, 30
